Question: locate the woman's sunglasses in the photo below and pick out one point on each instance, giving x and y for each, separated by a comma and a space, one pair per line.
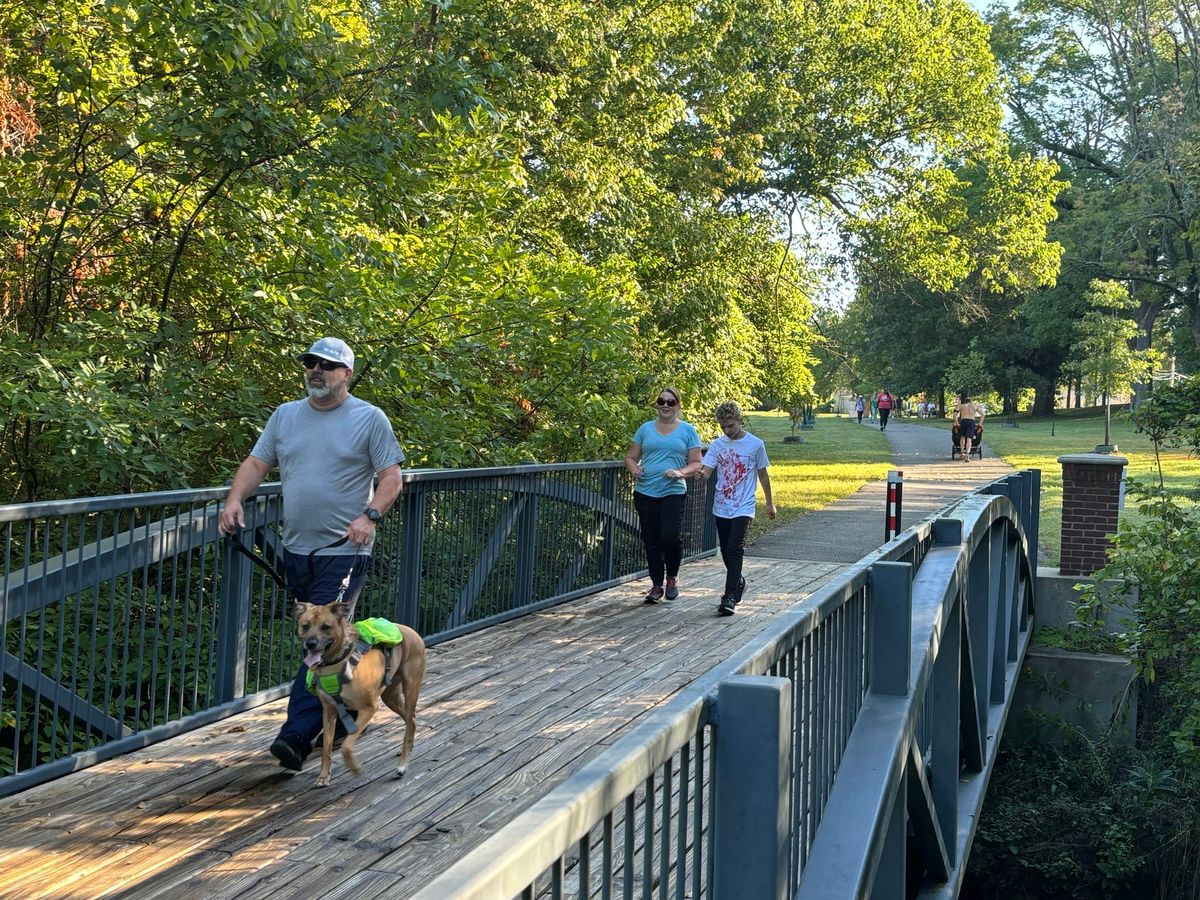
666, 401
313, 362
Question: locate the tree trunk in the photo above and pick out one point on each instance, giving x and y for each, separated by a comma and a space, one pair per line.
1043, 400
1147, 314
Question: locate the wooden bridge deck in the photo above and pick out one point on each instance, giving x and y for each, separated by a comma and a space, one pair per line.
506, 714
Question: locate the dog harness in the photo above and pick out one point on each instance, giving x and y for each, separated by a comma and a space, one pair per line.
329, 680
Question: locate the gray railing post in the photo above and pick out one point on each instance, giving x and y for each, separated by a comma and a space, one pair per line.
526, 541
608, 553
233, 616
710, 524
412, 543
1033, 526
891, 628
753, 784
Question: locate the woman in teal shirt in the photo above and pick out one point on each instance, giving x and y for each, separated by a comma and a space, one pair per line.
663, 453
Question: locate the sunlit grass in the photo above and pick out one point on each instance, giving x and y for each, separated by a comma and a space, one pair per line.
1032, 446
835, 460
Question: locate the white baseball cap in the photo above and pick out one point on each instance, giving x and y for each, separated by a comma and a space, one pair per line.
333, 349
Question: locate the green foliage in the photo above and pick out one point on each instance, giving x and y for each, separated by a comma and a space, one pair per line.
1084, 821
1102, 353
524, 216
1109, 91
969, 372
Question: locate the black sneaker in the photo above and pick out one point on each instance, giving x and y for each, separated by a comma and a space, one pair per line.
727, 605
741, 589
288, 754
654, 595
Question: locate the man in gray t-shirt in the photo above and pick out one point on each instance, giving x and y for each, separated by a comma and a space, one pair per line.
329, 448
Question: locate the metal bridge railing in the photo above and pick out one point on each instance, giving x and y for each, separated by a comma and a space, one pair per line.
860, 726
127, 620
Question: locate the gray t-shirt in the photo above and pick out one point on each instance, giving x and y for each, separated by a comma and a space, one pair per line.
327, 462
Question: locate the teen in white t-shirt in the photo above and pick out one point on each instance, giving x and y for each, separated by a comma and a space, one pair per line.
740, 461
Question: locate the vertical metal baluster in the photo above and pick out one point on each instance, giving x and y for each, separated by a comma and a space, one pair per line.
173, 615
797, 766
585, 866
205, 598
183, 572
58, 712
556, 879
4, 576
630, 807
685, 786
845, 622
40, 657
606, 874
440, 577
827, 711
664, 852
111, 676
154, 585
710, 838
73, 715
22, 628
141, 631
89, 693
806, 763
648, 839
698, 815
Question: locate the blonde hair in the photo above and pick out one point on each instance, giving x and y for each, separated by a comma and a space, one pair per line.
673, 391
729, 411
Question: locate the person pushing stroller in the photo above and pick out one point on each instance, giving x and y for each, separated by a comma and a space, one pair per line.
968, 417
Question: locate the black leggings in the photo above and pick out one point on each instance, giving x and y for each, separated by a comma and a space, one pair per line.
732, 534
883, 417
662, 521
860, 417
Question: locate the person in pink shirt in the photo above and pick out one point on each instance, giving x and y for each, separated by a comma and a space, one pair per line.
886, 403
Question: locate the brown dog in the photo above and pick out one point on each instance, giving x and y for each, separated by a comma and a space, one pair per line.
394, 674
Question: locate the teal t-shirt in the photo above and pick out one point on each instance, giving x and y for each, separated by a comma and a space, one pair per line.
661, 452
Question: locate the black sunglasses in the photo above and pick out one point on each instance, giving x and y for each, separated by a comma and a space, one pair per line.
313, 362
666, 401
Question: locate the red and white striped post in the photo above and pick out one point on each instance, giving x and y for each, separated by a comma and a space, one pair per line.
894, 504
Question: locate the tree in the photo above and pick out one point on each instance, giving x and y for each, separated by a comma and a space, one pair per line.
1112, 92
1103, 353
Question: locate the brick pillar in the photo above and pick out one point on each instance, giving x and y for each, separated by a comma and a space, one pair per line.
1091, 499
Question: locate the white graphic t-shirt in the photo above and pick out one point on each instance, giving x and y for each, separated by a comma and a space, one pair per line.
736, 464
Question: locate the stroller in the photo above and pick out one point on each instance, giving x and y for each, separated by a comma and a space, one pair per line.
976, 443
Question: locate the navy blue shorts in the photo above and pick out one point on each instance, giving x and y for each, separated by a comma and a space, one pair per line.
966, 428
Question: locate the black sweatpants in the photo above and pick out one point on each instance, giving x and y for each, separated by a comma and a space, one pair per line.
662, 522
732, 535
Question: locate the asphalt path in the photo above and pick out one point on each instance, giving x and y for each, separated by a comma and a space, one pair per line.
848, 529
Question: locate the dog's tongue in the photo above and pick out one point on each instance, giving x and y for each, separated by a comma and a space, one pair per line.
313, 659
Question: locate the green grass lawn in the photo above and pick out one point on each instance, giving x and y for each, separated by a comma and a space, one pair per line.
1031, 445
835, 460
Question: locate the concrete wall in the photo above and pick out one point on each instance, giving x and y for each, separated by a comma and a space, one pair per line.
1056, 601
1060, 691
1088, 692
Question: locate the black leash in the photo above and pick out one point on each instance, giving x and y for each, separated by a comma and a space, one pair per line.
277, 576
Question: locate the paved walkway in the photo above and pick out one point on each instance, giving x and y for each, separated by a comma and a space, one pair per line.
852, 527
